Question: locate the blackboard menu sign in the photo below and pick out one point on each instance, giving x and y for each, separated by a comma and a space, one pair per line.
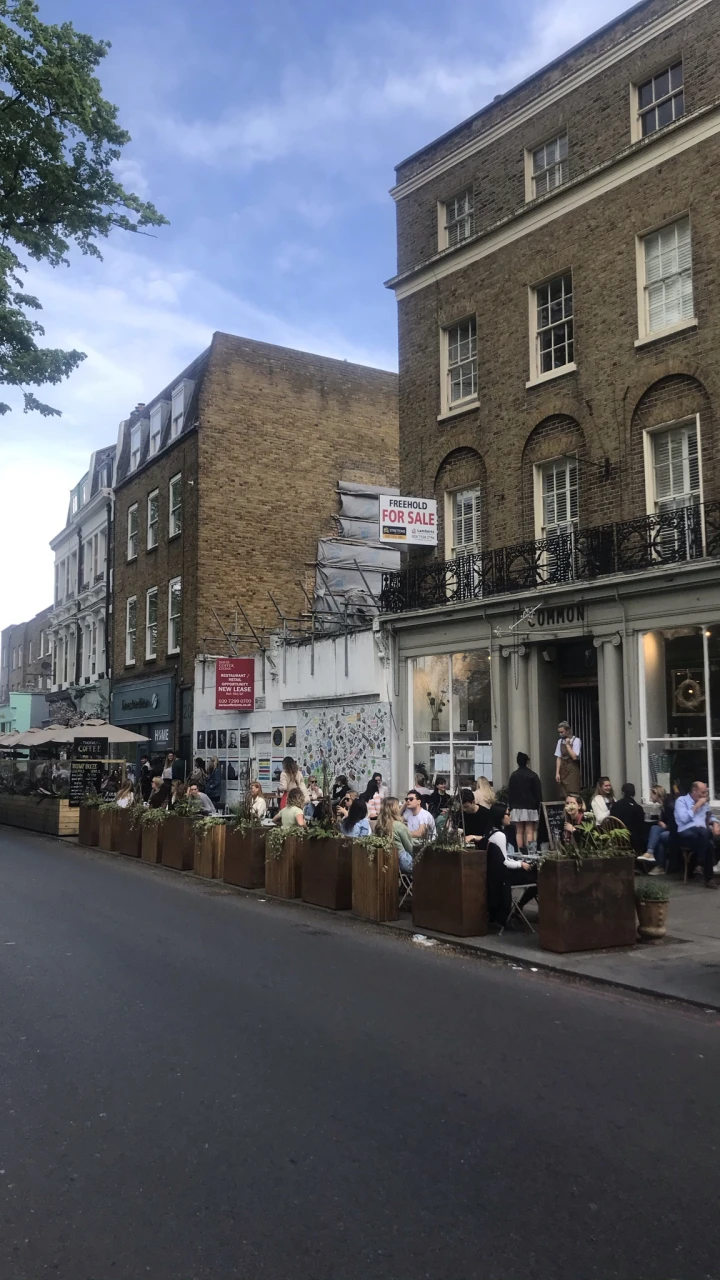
85, 775
554, 811
90, 749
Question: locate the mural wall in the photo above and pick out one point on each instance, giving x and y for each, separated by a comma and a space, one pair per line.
355, 740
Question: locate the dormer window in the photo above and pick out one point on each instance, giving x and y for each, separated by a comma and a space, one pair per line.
178, 411
155, 429
74, 504
135, 447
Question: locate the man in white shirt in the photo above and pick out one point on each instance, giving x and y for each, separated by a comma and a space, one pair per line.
418, 821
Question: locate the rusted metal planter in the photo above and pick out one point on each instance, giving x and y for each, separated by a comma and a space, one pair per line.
128, 835
178, 844
283, 869
210, 851
245, 858
327, 873
107, 830
450, 891
652, 919
586, 904
375, 883
151, 841
88, 825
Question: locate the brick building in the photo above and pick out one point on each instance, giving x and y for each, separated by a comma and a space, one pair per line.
25, 673
225, 481
559, 391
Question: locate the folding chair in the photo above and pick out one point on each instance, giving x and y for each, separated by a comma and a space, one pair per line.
405, 889
516, 909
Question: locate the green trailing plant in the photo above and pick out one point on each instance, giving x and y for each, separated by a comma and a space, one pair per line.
153, 817
372, 846
106, 804
648, 890
243, 818
185, 809
278, 835
206, 824
91, 800
446, 845
136, 812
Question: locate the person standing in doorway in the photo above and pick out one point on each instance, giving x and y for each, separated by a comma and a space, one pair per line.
524, 798
567, 761
146, 776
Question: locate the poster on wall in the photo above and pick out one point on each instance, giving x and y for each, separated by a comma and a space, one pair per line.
234, 684
408, 520
352, 740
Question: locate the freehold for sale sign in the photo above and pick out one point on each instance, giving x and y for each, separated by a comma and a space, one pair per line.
408, 520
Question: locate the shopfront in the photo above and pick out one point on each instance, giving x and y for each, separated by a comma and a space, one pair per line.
633, 664
148, 708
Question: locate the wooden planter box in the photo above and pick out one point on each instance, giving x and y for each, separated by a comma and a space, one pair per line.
450, 891
151, 841
327, 873
210, 852
245, 858
586, 906
128, 837
88, 825
47, 814
375, 883
108, 830
178, 844
283, 874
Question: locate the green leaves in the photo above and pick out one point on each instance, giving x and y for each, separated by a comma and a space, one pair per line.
59, 141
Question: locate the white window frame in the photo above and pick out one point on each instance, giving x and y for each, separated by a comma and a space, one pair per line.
155, 430
173, 532
42, 644
174, 619
451, 497
535, 373
14, 657
446, 223
151, 642
130, 649
132, 537
177, 415
538, 493
649, 457
563, 160
29, 652
636, 113
449, 406
135, 446
645, 333
153, 526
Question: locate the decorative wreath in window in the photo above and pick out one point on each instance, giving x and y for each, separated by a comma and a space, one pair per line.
689, 695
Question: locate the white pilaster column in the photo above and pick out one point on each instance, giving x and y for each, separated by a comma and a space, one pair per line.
518, 704
612, 751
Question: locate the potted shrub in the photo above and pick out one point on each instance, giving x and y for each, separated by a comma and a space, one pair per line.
88, 819
651, 902
450, 889
245, 850
129, 831
586, 898
327, 869
178, 845
152, 825
107, 826
283, 862
375, 879
209, 847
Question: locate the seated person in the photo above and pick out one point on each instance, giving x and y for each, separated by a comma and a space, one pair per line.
390, 826
200, 799
602, 801
696, 828
475, 818
418, 821
439, 802
632, 815
503, 870
573, 820
292, 815
356, 823
661, 830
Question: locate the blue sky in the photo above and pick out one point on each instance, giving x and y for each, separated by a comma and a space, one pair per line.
267, 133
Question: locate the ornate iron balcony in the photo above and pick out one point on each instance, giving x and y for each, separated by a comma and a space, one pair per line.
633, 546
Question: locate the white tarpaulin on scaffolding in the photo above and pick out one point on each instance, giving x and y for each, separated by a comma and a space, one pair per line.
339, 580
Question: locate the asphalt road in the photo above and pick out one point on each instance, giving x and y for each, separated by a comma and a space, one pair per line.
200, 1086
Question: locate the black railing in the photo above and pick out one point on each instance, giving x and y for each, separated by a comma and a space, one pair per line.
634, 546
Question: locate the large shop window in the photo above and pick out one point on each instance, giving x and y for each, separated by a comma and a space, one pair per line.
680, 702
450, 731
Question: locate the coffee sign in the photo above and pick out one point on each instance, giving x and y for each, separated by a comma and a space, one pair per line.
90, 749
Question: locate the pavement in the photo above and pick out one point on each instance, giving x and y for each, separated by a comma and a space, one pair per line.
205, 1085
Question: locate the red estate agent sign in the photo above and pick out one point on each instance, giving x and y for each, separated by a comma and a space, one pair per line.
235, 684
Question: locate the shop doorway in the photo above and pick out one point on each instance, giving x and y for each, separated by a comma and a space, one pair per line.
579, 703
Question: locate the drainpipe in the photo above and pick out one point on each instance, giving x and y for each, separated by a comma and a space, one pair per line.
109, 565
628, 717
78, 626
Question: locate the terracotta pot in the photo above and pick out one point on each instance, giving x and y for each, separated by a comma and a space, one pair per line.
107, 830
178, 845
283, 873
88, 825
210, 852
652, 917
450, 891
245, 858
128, 836
151, 841
327, 873
375, 883
586, 904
